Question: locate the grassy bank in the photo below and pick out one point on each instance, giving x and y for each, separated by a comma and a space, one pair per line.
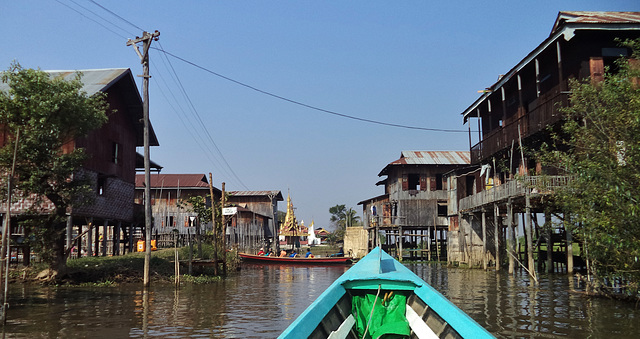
128, 268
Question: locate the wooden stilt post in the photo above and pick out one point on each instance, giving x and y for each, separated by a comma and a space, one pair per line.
510, 237
549, 233
400, 239
567, 230
484, 239
496, 235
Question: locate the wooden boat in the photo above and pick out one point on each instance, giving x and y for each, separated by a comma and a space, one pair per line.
377, 296
297, 260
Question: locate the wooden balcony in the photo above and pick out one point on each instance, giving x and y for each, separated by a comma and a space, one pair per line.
545, 112
534, 185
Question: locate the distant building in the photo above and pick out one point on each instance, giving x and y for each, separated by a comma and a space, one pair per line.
265, 206
169, 207
413, 213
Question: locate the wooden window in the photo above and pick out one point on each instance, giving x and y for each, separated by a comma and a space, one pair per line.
405, 183
414, 181
596, 68
432, 183
423, 183
442, 208
439, 182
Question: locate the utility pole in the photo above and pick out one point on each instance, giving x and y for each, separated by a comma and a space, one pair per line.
215, 228
144, 59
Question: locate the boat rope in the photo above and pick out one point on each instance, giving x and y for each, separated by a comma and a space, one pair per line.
372, 308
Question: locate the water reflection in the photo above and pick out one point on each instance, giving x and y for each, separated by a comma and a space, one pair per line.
510, 307
262, 300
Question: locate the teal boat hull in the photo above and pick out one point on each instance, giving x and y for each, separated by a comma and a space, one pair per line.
430, 314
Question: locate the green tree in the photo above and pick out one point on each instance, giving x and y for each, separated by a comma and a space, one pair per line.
47, 113
599, 147
198, 205
341, 217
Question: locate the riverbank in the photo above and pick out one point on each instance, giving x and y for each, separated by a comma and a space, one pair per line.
128, 268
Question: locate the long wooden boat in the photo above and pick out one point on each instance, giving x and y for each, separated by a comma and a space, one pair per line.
297, 260
377, 296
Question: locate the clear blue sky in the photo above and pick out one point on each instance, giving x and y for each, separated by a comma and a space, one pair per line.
415, 63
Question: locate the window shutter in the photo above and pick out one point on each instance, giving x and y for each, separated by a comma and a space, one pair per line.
405, 183
432, 184
423, 183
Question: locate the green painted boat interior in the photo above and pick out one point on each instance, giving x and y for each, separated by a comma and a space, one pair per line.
344, 308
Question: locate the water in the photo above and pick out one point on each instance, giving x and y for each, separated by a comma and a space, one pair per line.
262, 300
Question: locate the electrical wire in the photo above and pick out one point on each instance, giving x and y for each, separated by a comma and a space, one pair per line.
307, 105
196, 132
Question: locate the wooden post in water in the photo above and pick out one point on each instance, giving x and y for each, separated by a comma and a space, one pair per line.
567, 230
548, 225
484, 239
510, 236
400, 243
496, 235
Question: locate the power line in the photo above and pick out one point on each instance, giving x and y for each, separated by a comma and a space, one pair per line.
92, 19
117, 16
199, 119
307, 105
175, 78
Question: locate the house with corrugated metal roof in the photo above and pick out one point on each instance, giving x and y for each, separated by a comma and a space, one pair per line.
413, 212
169, 207
111, 166
524, 108
264, 207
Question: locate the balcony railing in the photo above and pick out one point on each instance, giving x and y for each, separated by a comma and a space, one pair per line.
544, 114
534, 185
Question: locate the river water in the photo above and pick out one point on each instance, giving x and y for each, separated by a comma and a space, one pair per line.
261, 300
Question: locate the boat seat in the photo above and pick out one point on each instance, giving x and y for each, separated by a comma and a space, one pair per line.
418, 326
343, 331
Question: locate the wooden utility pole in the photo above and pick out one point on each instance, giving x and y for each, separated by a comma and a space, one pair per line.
215, 229
144, 59
224, 231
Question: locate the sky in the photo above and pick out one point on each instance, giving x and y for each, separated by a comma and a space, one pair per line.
279, 95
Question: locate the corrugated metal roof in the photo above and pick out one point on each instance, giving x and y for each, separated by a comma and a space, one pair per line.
93, 80
175, 181
430, 158
277, 194
433, 158
566, 23
583, 17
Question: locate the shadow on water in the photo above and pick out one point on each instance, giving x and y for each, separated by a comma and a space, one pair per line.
262, 300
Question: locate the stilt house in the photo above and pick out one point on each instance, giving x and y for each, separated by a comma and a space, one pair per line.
111, 166
520, 109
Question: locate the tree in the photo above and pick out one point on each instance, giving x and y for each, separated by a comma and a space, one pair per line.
341, 217
198, 205
47, 114
599, 147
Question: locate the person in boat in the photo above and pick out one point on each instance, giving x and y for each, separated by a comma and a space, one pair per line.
261, 252
339, 254
293, 254
309, 254
269, 253
283, 253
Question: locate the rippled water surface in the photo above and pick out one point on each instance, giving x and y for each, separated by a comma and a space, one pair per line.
261, 301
